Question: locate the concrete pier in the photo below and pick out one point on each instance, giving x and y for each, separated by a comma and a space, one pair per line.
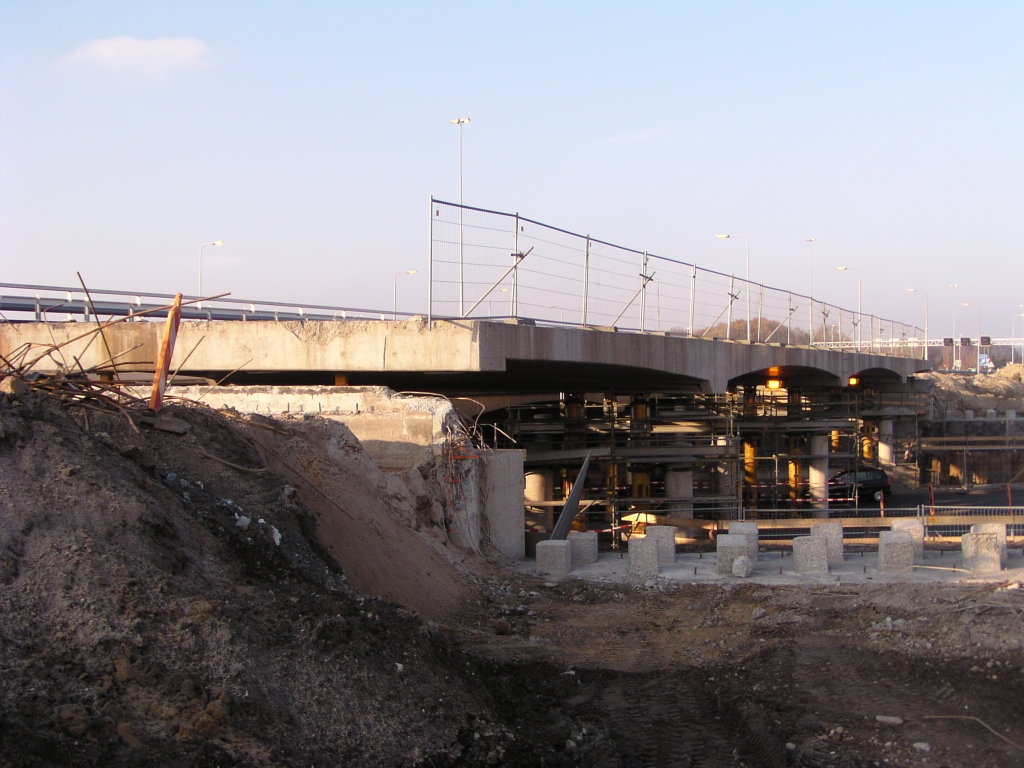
810, 554
554, 559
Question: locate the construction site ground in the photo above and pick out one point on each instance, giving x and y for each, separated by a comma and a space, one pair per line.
230, 590
774, 567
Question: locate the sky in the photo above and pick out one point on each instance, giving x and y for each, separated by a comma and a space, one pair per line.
310, 136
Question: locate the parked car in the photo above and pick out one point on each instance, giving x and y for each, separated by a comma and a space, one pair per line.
869, 484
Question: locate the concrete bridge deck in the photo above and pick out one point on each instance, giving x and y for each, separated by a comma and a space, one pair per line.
454, 356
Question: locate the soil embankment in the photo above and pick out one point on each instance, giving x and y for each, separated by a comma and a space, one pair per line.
209, 598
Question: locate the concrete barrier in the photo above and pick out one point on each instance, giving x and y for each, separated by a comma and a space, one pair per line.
643, 559
554, 559
750, 531
915, 528
810, 554
665, 535
729, 546
895, 551
833, 535
584, 547
981, 552
1000, 531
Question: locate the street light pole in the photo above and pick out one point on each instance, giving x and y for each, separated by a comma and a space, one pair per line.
860, 305
977, 307
956, 344
747, 242
915, 290
461, 121
1013, 331
214, 242
407, 272
810, 290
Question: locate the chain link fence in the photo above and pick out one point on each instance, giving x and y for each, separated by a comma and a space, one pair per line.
489, 264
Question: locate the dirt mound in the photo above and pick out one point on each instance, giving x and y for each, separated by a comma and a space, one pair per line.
382, 528
167, 600
955, 393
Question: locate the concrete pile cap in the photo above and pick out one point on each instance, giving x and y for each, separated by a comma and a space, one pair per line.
584, 547
895, 551
643, 559
750, 531
729, 546
981, 552
833, 535
665, 535
810, 554
915, 528
999, 529
554, 558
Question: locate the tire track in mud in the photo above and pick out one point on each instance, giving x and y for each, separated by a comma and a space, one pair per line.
663, 721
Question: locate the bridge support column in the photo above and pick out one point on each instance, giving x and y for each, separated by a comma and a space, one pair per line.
540, 488
818, 475
795, 471
885, 439
679, 486
750, 473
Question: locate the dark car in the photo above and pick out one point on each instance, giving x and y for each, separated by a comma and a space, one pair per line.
868, 484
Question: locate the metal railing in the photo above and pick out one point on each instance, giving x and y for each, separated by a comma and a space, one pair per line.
491, 264
957, 520
49, 302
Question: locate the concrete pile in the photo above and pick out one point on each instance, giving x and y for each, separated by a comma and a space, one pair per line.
895, 551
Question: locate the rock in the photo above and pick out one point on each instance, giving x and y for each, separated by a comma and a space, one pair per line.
502, 627
922, 746
570, 745
742, 567
207, 725
123, 671
74, 719
243, 522
128, 735
889, 720
758, 613
215, 710
13, 387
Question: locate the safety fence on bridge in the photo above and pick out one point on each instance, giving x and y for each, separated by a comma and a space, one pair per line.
56, 303
491, 264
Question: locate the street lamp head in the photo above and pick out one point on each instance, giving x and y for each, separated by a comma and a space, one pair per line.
411, 272
218, 242
460, 120
967, 303
842, 269
810, 240
952, 285
911, 290
722, 237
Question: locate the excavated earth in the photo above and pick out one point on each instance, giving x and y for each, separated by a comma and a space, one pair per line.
256, 593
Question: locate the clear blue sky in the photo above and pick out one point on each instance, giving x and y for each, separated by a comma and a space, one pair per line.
309, 136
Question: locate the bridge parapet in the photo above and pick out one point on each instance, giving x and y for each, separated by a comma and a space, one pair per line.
470, 355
